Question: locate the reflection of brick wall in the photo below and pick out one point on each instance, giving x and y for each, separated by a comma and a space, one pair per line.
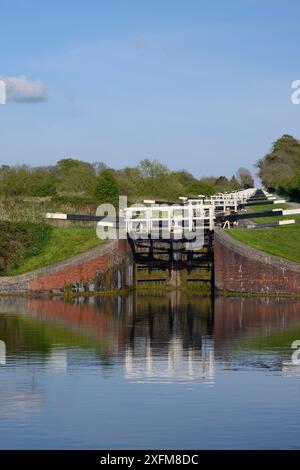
240, 268
70, 313
252, 317
104, 268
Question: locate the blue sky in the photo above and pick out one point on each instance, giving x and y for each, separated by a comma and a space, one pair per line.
199, 85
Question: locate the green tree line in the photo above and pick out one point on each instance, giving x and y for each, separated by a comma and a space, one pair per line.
72, 178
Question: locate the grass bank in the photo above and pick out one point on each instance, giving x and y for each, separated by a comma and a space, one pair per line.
283, 241
33, 209
267, 208
28, 246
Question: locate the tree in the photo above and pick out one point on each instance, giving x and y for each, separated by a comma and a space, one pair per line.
245, 178
152, 169
4, 170
75, 176
41, 183
155, 180
16, 181
293, 187
200, 187
277, 168
286, 142
234, 184
222, 184
66, 164
106, 189
129, 182
99, 167
185, 177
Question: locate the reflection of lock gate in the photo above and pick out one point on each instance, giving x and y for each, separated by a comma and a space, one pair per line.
178, 364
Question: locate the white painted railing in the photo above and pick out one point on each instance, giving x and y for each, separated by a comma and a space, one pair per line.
190, 215
169, 219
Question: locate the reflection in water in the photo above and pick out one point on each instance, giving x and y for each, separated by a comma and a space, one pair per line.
155, 337
93, 349
57, 361
178, 364
19, 403
2, 353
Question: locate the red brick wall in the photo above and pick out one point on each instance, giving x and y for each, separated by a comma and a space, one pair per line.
84, 270
240, 268
71, 275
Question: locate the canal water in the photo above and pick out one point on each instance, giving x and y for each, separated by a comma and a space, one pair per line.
169, 371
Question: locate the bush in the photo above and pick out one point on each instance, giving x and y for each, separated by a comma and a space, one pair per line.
19, 240
293, 188
107, 190
75, 176
41, 184
21, 181
199, 187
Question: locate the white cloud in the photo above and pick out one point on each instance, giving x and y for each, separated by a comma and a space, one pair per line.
23, 90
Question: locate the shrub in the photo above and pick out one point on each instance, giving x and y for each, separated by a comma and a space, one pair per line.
19, 240
107, 190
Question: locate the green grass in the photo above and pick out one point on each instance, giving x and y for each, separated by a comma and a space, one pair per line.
281, 241
61, 243
266, 208
33, 209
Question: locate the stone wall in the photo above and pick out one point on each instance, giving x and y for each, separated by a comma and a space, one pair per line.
107, 267
240, 268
